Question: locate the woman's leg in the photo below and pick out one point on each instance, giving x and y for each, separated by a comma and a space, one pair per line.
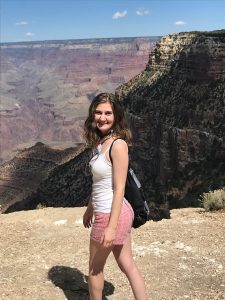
98, 256
124, 259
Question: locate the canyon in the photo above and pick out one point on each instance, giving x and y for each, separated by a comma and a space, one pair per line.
46, 87
175, 108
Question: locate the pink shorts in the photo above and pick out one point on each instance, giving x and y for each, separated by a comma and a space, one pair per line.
123, 228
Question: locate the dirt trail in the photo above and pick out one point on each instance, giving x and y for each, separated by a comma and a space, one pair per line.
44, 256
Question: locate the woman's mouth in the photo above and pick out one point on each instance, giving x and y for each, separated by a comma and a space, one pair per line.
102, 124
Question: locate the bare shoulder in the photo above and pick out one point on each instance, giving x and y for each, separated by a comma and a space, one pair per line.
119, 153
119, 145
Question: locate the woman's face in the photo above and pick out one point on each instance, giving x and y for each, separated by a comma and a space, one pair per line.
104, 117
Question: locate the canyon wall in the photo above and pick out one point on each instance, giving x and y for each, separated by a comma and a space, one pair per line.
178, 104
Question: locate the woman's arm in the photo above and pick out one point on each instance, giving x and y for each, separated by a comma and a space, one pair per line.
88, 215
120, 165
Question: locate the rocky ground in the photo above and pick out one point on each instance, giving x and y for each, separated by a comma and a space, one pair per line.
44, 255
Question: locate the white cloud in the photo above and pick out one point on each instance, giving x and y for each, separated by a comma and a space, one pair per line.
21, 23
180, 23
30, 34
142, 12
118, 14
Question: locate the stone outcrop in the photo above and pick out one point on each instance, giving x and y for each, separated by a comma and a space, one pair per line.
46, 87
197, 57
176, 108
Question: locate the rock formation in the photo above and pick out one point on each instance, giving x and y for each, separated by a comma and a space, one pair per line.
176, 108
21, 177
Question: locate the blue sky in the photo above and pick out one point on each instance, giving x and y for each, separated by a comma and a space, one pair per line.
30, 20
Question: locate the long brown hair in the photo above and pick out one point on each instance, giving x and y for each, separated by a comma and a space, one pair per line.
120, 127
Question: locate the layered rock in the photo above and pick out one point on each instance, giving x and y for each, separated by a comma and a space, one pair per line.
198, 57
179, 127
46, 87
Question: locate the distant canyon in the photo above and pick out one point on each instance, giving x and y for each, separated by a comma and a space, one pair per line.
46, 87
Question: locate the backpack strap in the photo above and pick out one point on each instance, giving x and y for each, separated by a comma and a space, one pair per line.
110, 149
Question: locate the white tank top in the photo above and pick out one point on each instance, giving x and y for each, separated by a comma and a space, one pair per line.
102, 186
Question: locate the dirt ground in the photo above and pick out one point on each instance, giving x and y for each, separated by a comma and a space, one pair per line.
44, 256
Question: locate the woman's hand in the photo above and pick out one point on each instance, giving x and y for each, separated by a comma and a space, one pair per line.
88, 217
108, 237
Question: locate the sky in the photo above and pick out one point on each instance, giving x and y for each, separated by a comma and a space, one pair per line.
35, 20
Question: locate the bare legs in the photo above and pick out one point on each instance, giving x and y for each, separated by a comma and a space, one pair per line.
124, 259
98, 256
123, 256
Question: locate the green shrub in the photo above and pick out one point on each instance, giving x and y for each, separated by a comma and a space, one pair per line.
214, 200
40, 206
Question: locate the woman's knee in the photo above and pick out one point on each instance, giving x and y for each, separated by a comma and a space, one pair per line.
96, 269
126, 266
98, 257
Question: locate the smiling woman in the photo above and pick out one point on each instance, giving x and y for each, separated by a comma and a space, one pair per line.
109, 214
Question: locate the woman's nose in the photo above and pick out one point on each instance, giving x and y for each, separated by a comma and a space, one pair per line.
102, 117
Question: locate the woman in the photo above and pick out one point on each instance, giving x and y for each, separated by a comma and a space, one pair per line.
112, 214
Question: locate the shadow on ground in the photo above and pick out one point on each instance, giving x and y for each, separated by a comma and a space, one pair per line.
74, 283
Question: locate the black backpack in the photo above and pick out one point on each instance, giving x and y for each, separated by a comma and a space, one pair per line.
134, 196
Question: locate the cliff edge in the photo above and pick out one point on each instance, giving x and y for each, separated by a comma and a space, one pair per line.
176, 109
